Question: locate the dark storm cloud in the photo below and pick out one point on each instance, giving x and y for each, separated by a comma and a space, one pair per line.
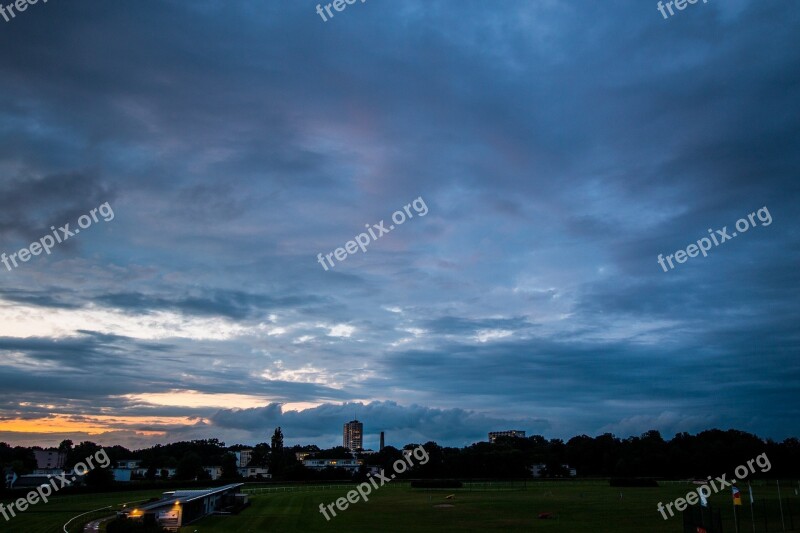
402, 424
86, 373
38, 298
560, 146
76, 352
28, 208
232, 304
458, 325
536, 371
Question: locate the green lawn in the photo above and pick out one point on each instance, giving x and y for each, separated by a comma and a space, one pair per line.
580, 506
51, 516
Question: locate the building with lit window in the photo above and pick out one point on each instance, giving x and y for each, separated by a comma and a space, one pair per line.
351, 465
353, 438
181, 507
516, 433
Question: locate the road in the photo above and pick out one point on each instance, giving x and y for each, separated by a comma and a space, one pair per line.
94, 526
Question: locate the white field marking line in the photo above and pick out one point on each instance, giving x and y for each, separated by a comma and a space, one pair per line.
80, 515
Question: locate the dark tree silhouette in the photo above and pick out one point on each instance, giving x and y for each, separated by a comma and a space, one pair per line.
276, 462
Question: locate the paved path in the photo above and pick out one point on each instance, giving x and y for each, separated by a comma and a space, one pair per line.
66, 526
94, 527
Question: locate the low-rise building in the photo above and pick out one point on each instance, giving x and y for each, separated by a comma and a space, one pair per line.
351, 465
129, 474
515, 433
50, 458
131, 464
214, 471
181, 507
161, 472
47, 471
539, 470
122, 474
243, 457
254, 472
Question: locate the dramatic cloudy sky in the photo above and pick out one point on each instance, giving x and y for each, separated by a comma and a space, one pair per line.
559, 147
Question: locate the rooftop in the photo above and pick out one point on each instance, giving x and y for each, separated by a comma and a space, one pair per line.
186, 496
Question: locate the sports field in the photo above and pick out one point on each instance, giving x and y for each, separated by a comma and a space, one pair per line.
589, 506
51, 516
579, 506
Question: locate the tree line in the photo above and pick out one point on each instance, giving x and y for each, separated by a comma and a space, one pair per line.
708, 453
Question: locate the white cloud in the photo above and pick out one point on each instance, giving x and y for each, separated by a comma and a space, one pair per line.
22, 321
486, 335
340, 330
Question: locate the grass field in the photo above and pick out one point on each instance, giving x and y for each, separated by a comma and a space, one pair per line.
590, 506
579, 506
50, 517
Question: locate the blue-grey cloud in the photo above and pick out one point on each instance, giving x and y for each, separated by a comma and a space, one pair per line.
560, 147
